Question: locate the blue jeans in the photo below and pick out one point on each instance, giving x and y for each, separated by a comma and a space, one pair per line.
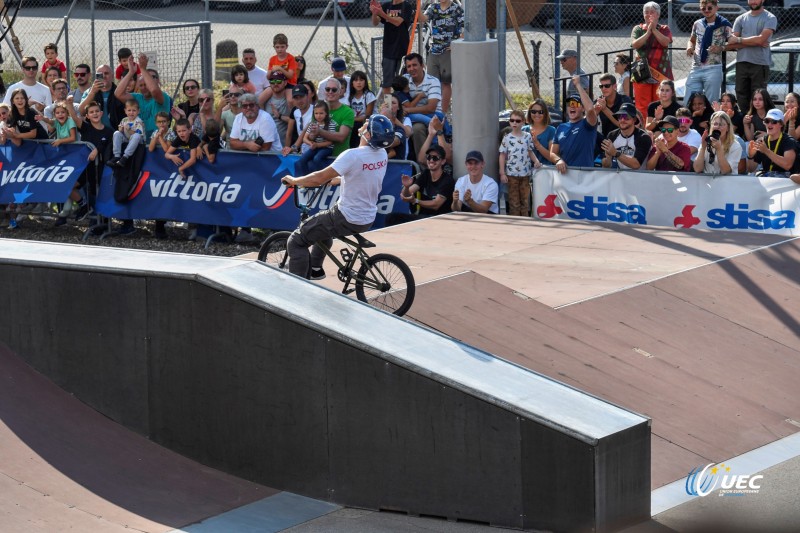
707, 80
311, 161
424, 119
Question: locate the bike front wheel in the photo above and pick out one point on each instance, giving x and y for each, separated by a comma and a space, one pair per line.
385, 281
274, 252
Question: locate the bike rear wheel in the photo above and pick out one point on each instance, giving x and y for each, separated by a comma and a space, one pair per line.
274, 252
386, 282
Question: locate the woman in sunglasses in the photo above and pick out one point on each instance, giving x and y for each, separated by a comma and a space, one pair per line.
668, 153
775, 152
198, 120
191, 90
541, 130
719, 153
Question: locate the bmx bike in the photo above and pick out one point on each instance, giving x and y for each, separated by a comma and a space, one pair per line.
381, 280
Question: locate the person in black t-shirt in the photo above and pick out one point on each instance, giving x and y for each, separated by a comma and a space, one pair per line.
429, 193
185, 140
397, 17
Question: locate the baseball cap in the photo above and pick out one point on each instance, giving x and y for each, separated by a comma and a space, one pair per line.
669, 119
299, 90
438, 149
276, 75
627, 109
775, 114
573, 98
569, 52
474, 155
338, 64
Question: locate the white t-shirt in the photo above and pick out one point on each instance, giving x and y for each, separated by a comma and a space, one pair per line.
259, 78
301, 122
38, 92
693, 139
321, 90
362, 170
263, 127
359, 105
733, 156
486, 189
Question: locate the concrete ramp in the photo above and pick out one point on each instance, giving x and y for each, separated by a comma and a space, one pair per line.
278, 381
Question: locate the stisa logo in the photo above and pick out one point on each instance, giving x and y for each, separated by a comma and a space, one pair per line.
701, 481
594, 209
737, 216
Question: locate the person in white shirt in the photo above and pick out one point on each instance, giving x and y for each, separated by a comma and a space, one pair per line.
338, 69
256, 74
685, 132
39, 95
360, 171
476, 192
253, 129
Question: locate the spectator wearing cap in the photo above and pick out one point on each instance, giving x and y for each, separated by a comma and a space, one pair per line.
275, 102
608, 103
338, 69
629, 144
668, 153
300, 117
775, 152
569, 62
575, 140
475, 192
428, 193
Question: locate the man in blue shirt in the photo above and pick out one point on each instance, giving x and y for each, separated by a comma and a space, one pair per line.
575, 140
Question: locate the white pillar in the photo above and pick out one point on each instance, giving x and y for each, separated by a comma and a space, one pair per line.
476, 96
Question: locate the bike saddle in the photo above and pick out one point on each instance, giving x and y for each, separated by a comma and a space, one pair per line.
363, 242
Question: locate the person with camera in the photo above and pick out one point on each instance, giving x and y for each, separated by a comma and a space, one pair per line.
719, 151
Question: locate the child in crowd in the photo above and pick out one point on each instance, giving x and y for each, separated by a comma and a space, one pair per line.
92, 130
61, 123
185, 140
51, 60
283, 61
402, 88
210, 143
131, 129
362, 101
240, 80
163, 135
319, 149
5, 113
122, 55
517, 154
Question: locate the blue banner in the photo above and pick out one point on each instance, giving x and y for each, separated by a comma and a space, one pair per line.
239, 189
39, 172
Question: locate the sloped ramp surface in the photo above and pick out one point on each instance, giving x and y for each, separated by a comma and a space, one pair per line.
711, 354
65, 466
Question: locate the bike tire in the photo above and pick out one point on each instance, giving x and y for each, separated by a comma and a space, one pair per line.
398, 296
273, 251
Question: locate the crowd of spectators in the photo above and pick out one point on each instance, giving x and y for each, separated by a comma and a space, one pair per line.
633, 123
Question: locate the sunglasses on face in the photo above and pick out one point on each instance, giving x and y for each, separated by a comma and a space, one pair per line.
276, 82
331, 90
79, 74
573, 103
667, 130
769, 121
685, 120
707, 8
204, 100
433, 158
514, 121
623, 116
235, 95
536, 112
191, 88
30, 67
605, 85
299, 60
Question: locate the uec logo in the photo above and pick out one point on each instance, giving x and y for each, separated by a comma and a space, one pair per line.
701, 481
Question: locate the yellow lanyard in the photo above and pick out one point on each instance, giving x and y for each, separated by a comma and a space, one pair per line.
777, 144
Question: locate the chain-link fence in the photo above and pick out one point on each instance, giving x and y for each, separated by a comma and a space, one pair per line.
598, 29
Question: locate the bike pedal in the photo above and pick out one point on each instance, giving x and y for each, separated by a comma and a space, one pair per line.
346, 254
348, 291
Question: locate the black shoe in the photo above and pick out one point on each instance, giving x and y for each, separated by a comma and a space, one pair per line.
127, 229
83, 211
60, 221
113, 162
122, 161
316, 273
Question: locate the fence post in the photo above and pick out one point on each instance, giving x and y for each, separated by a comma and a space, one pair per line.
94, 38
206, 64
65, 29
536, 49
501, 45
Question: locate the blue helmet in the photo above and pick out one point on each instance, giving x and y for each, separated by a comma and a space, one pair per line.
381, 131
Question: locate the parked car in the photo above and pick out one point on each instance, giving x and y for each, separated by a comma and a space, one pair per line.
685, 12
783, 62
590, 14
351, 8
267, 5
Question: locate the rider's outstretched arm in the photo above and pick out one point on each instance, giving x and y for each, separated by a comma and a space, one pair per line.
315, 179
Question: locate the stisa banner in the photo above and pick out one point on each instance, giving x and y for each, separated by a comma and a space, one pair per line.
38, 172
238, 189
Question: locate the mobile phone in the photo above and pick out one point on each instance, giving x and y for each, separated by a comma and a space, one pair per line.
225, 92
387, 100
98, 76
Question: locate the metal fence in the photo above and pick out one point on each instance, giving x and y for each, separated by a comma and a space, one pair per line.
81, 28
